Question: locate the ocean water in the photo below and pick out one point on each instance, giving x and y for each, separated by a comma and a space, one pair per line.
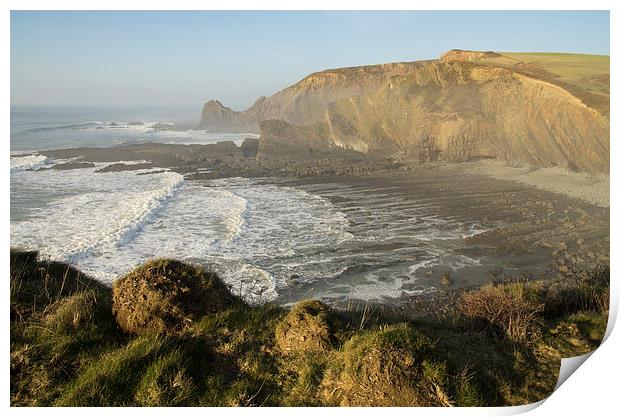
39, 129
271, 240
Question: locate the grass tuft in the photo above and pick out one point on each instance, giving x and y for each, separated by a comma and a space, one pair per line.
507, 310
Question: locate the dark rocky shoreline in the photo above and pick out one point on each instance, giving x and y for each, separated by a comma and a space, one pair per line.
541, 228
224, 159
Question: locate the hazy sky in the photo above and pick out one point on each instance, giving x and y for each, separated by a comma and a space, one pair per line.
182, 59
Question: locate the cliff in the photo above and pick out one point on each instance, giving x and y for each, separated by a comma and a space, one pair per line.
304, 102
536, 109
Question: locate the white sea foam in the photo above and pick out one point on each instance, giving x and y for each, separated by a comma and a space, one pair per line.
252, 283
27, 161
133, 162
235, 219
191, 136
262, 238
100, 212
107, 223
149, 129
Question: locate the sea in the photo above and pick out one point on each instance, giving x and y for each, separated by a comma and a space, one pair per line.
271, 240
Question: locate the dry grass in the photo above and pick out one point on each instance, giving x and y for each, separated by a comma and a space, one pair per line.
306, 328
505, 310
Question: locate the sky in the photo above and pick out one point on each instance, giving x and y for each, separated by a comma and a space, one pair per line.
182, 59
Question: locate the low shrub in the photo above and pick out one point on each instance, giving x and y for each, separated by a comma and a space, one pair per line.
588, 292
512, 310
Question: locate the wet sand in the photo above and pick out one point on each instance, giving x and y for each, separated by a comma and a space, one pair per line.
590, 188
533, 233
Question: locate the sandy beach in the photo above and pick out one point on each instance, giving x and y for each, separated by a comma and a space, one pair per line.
590, 188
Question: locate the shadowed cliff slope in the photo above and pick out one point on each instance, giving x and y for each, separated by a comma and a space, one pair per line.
538, 109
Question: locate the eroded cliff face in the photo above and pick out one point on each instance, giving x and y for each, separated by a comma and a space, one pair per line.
304, 102
465, 105
463, 111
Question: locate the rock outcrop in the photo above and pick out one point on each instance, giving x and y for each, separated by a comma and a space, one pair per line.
465, 105
467, 56
218, 118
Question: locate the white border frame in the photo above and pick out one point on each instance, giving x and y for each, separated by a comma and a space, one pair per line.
590, 391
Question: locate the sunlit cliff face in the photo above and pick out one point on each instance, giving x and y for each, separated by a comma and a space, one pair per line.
465, 105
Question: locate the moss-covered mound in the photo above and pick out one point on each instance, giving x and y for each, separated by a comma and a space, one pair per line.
166, 296
383, 368
306, 328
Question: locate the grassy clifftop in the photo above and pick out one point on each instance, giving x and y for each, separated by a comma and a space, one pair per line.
171, 334
583, 75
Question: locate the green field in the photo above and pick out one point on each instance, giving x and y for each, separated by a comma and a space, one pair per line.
585, 76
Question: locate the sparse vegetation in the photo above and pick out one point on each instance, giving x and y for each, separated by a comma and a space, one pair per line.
428, 151
173, 336
461, 147
510, 310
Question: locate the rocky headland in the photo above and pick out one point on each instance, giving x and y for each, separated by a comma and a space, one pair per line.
543, 110
500, 112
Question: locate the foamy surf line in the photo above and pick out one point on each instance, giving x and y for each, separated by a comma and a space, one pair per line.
155, 203
106, 214
19, 162
237, 210
264, 238
84, 125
